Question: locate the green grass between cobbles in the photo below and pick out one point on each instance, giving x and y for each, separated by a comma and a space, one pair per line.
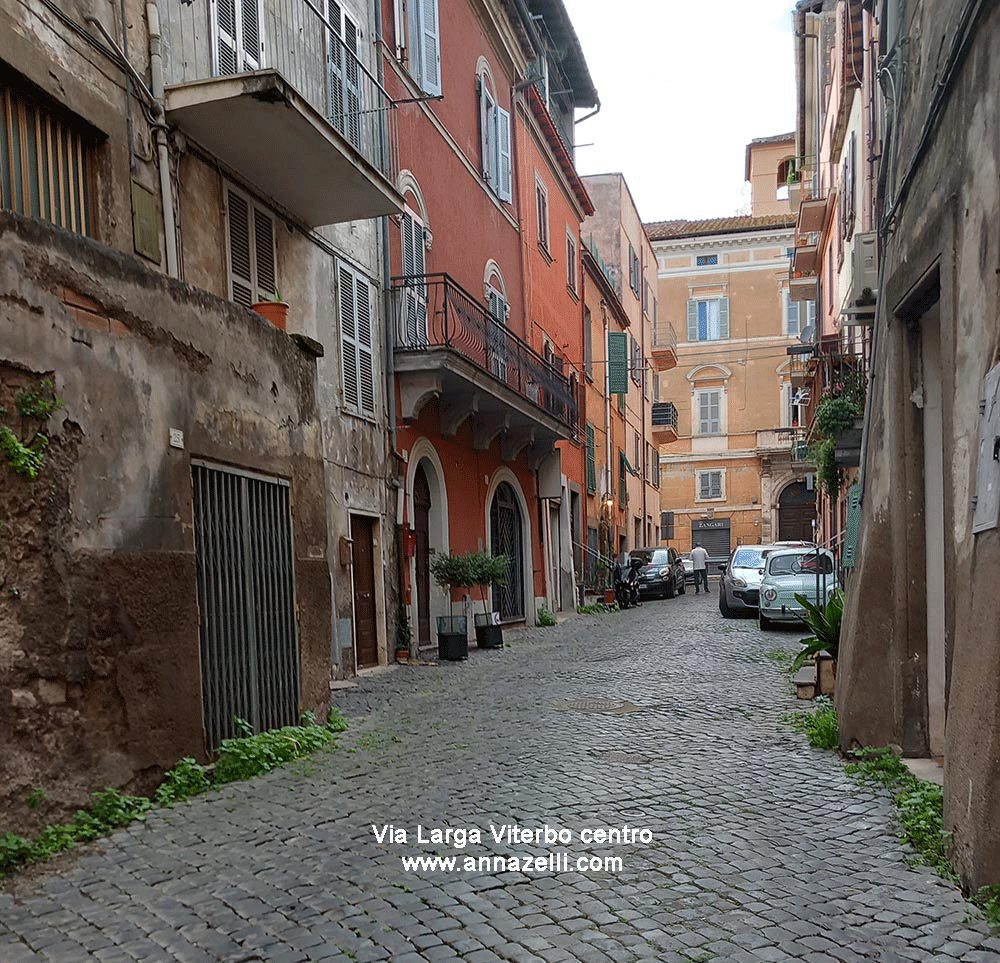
246, 756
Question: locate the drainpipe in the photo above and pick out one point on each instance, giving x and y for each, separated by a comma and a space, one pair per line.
607, 422
642, 392
160, 134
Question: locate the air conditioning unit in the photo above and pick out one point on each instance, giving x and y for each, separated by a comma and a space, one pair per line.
860, 307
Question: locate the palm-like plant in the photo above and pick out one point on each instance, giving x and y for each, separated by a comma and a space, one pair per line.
825, 624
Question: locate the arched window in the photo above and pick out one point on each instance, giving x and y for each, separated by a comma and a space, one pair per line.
506, 539
495, 293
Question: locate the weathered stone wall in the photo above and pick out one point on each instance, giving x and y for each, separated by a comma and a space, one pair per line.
99, 646
947, 223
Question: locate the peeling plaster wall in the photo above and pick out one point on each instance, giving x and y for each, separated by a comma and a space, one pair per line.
948, 222
99, 646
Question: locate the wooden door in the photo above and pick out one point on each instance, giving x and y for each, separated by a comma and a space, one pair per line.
796, 512
365, 637
422, 554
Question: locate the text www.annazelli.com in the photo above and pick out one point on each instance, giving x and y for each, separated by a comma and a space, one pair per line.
557, 862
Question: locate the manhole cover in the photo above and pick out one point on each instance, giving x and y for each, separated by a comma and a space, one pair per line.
610, 706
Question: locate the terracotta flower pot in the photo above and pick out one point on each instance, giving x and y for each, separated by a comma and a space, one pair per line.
275, 311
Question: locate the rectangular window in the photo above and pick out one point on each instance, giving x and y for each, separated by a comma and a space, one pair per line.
494, 123
542, 214
252, 261
706, 260
637, 452
634, 272
588, 344
797, 312
591, 466
709, 412
237, 37
708, 320
645, 298
656, 387
45, 165
709, 484
422, 50
622, 490
356, 342
570, 261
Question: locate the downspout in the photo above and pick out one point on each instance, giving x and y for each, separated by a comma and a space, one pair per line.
160, 135
642, 358
607, 422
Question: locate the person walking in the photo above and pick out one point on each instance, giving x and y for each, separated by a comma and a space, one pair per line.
699, 558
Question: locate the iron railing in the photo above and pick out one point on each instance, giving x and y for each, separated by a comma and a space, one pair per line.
664, 415
306, 47
664, 336
436, 312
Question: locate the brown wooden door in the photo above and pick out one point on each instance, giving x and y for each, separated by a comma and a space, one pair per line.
796, 512
363, 553
422, 554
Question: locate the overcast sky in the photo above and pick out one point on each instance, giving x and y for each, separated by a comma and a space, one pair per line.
684, 87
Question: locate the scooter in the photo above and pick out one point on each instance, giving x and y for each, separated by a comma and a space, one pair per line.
626, 583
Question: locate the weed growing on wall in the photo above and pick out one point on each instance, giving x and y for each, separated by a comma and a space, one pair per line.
26, 456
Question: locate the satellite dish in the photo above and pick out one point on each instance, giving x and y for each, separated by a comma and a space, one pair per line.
807, 334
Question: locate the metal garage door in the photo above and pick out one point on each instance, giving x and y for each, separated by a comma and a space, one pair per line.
713, 535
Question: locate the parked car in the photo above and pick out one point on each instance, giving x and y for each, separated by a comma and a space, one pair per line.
739, 584
789, 571
662, 572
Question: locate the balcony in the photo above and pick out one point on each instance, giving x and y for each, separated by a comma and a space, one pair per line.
664, 353
294, 113
450, 347
802, 287
664, 423
805, 258
799, 372
813, 212
778, 442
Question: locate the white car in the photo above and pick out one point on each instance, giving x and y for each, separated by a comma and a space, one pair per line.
788, 572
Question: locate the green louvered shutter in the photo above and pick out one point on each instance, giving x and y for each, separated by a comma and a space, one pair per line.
692, 320
723, 317
591, 467
853, 525
618, 373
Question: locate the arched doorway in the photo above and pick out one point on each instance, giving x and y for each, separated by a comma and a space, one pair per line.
506, 539
796, 513
422, 556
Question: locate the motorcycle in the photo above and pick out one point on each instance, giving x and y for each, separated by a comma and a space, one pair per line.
626, 582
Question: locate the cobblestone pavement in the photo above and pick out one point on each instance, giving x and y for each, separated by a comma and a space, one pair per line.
761, 850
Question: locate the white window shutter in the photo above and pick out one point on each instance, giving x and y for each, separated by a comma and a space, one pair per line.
224, 25
366, 357
241, 285
487, 132
723, 317
414, 295
352, 83
792, 322
250, 38
414, 58
263, 248
430, 47
348, 335
692, 320
503, 143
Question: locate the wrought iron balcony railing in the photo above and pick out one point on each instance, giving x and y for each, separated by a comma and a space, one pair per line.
664, 415
435, 312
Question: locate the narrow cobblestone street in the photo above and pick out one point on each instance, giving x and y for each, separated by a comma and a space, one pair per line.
666, 718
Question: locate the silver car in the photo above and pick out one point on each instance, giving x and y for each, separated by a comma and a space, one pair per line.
810, 572
740, 582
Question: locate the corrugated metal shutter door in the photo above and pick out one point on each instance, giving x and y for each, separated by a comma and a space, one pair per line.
715, 540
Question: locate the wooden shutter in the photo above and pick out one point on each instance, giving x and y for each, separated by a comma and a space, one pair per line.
617, 363
487, 132
723, 317
263, 248
503, 148
348, 335
226, 43
414, 59
334, 66
415, 293
250, 38
352, 83
366, 356
242, 289
591, 466
692, 320
430, 47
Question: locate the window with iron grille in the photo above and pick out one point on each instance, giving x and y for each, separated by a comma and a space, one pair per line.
46, 164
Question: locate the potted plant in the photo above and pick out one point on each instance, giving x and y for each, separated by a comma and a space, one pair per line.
404, 636
485, 571
824, 644
452, 572
275, 311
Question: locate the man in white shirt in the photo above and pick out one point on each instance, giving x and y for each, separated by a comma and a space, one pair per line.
699, 559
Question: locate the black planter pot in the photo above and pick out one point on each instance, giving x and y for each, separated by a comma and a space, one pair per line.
488, 635
453, 637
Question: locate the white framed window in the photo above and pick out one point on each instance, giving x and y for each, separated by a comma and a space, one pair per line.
711, 485
794, 406
499, 310
238, 41
706, 260
708, 411
250, 249
542, 214
494, 134
795, 312
422, 47
414, 307
357, 350
708, 319
571, 261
